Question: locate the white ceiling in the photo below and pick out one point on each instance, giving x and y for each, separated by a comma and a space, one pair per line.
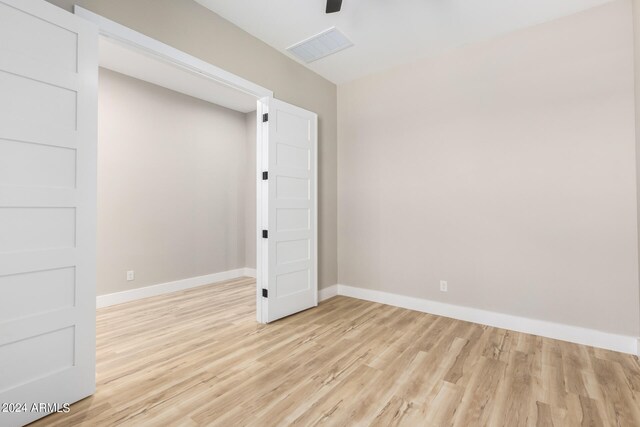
140, 65
387, 33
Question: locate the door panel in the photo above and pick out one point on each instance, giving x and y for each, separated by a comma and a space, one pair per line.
37, 293
288, 256
36, 165
48, 136
55, 46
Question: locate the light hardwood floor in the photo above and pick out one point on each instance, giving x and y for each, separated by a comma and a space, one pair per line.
198, 358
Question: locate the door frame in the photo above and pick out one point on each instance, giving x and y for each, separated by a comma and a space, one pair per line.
181, 59
153, 47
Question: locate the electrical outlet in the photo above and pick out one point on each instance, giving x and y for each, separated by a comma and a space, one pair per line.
443, 286
131, 275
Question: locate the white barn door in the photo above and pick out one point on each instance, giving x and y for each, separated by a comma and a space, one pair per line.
48, 122
287, 210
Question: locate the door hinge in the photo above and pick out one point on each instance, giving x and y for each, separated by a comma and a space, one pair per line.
265, 234
265, 117
265, 176
265, 293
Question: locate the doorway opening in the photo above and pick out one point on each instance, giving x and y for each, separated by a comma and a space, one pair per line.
176, 169
284, 178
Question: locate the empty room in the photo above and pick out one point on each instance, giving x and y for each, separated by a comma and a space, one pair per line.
336, 212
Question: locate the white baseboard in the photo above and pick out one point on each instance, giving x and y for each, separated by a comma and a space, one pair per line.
594, 338
575, 334
327, 293
165, 288
250, 272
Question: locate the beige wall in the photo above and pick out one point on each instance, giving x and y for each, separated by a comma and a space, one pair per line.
506, 168
192, 28
172, 187
636, 51
250, 192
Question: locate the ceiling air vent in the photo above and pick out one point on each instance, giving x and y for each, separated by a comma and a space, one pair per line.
323, 44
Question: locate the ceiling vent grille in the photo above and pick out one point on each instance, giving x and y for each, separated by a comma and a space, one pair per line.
323, 44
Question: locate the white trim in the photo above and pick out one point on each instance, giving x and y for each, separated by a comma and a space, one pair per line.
165, 288
326, 293
575, 334
170, 54
250, 272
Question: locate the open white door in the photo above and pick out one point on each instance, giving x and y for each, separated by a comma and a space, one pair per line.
287, 207
48, 122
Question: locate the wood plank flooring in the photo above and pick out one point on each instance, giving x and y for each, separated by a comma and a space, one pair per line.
199, 358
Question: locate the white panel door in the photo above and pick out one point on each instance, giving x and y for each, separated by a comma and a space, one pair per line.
287, 220
48, 118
